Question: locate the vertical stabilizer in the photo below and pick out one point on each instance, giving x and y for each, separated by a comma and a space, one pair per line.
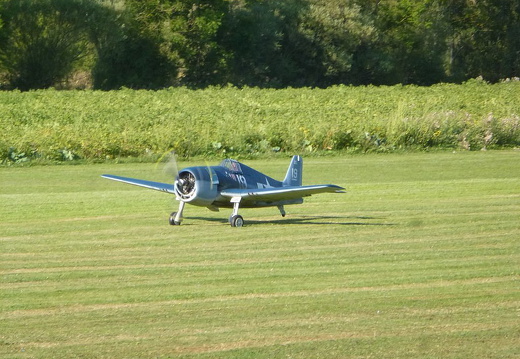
294, 172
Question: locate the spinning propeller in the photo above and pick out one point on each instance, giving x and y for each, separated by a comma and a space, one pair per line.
185, 183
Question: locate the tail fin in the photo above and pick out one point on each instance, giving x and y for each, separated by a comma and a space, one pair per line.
294, 172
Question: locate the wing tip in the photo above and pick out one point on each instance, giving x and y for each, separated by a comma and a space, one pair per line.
336, 188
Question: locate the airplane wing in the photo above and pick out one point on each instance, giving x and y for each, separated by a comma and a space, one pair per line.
280, 193
158, 186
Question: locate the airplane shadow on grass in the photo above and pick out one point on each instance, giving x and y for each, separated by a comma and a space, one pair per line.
313, 220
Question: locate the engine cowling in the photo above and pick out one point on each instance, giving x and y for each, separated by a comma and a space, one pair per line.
197, 185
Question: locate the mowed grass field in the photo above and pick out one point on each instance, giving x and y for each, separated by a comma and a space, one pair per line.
420, 259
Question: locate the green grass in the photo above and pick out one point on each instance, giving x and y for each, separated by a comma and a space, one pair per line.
419, 259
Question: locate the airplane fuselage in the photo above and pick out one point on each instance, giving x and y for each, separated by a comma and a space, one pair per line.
231, 174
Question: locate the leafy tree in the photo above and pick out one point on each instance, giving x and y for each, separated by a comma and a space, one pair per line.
131, 61
296, 42
204, 58
410, 44
41, 40
336, 30
186, 32
44, 41
126, 56
257, 33
428, 41
485, 40
270, 43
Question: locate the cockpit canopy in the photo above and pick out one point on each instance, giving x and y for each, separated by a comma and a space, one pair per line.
231, 165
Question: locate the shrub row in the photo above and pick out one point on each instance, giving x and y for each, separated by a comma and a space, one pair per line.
95, 125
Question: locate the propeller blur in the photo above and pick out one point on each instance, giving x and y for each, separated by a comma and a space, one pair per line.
232, 184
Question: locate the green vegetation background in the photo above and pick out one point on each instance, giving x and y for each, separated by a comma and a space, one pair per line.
49, 125
152, 44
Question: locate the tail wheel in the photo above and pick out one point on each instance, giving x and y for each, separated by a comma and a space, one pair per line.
236, 221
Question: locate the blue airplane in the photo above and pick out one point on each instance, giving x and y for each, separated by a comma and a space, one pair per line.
232, 184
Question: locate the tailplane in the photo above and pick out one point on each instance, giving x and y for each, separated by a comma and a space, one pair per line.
294, 172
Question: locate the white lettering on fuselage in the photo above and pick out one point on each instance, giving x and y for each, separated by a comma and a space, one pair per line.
242, 181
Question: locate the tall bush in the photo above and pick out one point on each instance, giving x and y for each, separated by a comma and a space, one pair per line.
42, 41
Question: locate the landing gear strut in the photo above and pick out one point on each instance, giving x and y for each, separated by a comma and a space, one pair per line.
176, 217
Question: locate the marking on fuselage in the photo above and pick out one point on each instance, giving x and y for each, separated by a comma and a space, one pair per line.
242, 181
266, 185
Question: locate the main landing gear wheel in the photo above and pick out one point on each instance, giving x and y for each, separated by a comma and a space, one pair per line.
172, 220
236, 221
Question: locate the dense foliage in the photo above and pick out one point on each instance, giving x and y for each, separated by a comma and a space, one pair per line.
276, 43
95, 125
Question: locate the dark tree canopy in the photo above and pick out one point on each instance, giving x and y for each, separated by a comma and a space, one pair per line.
266, 43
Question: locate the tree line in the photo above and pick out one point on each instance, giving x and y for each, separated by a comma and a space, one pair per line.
266, 43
